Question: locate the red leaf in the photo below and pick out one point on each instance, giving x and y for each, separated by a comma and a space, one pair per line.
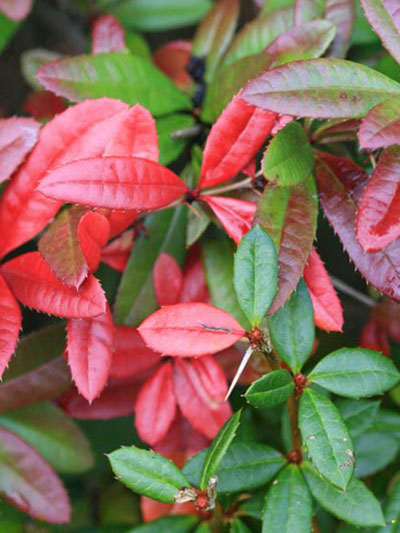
380, 127
167, 280
233, 141
328, 313
378, 217
375, 338
10, 324
194, 288
116, 254
236, 216
43, 105
120, 220
172, 58
15, 9
35, 285
107, 35
93, 232
155, 407
200, 387
17, 137
81, 131
131, 355
339, 184
90, 347
114, 183
190, 330
152, 509
387, 315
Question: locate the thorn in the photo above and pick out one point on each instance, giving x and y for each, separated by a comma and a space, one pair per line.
239, 371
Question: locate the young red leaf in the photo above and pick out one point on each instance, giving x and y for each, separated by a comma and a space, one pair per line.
190, 330
328, 313
10, 324
384, 17
15, 9
236, 216
233, 141
81, 131
194, 288
131, 355
93, 232
107, 35
378, 217
43, 105
114, 183
339, 185
29, 483
373, 337
167, 280
155, 407
17, 137
35, 285
200, 387
116, 254
380, 128
120, 221
172, 58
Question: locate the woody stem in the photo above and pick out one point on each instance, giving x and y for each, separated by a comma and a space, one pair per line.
246, 183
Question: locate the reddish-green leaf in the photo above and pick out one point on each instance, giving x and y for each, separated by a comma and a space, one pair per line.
289, 216
10, 324
306, 10
200, 387
342, 14
155, 407
167, 280
17, 137
15, 9
233, 141
29, 483
116, 254
90, 348
381, 127
378, 217
384, 17
328, 313
35, 285
236, 216
190, 330
339, 185
107, 35
114, 183
340, 88
80, 131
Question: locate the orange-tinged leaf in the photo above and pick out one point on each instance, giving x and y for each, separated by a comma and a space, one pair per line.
328, 313
93, 232
114, 183
15, 9
90, 348
35, 285
107, 35
155, 407
10, 324
233, 141
190, 330
172, 58
116, 254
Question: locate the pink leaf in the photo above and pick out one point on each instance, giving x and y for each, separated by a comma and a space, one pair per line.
120, 220
107, 35
381, 127
116, 254
15, 9
167, 280
194, 288
93, 232
10, 325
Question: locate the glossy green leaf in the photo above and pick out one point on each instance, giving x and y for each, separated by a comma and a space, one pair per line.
342, 89
254, 506
147, 473
288, 504
163, 232
171, 148
255, 274
326, 437
392, 510
218, 449
121, 75
217, 257
355, 373
369, 460
289, 159
245, 466
358, 415
270, 390
292, 329
238, 526
357, 505
175, 524
387, 421
55, 436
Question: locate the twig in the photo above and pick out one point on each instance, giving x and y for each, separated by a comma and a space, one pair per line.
246, 183
187, 133
354, 293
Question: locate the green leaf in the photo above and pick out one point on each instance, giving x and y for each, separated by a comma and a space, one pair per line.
137, 45
358, 415
288, 505
164, 232
289, 158
121, 75
32, 60
355, 373
341, 88
357, 505
55, 436
392, 510
147, 473
306, 10
255, 274
254, 506
272, 5
217, 257
326, 437
368, 460
7, 29
196, 223
218, 449
203, 528
175, 524
387, 421
171, 148
292, 329
270, 390
245, 466
238, 526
